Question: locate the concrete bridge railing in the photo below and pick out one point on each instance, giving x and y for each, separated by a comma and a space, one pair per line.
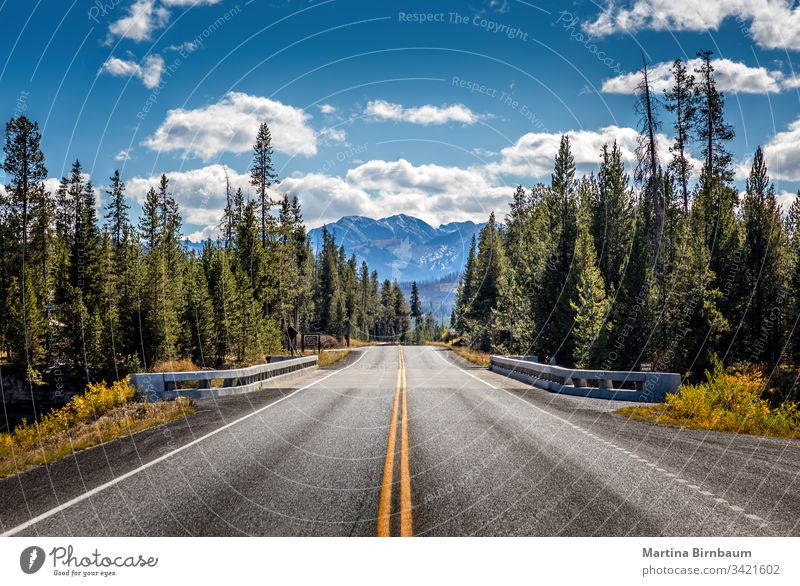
154, 386
648, 387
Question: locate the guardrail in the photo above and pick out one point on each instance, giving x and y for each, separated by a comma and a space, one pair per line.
215, 383
647, 387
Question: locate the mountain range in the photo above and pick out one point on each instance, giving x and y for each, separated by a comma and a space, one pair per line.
402, 247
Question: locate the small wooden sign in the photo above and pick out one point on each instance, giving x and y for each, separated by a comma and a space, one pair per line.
311, 340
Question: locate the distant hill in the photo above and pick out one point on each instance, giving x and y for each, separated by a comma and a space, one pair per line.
403, 247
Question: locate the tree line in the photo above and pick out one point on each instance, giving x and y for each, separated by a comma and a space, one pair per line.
652, 264
106, 295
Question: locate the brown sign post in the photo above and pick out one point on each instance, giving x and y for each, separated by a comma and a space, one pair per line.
311, 340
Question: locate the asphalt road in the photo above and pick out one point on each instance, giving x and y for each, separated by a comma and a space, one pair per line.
422, 444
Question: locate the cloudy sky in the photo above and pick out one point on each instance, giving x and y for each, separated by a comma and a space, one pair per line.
435, 109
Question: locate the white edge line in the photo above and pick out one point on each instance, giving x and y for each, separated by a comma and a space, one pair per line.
135, 471
488, 384
719, 500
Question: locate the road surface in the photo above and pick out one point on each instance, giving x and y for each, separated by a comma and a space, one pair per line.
411, 441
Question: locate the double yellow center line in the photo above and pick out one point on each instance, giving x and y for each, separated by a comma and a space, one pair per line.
385, 504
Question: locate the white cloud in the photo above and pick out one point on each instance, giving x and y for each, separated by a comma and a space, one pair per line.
190, 2
786, 199
791, 82
380, 188
425, 115
431, 192
185, 47
145, 16
532, 155
123, 155
730, 76
376, 188
148, 71
772, 24
327, 108
332, 135
325, 198
782, 154
231, 124
200, 193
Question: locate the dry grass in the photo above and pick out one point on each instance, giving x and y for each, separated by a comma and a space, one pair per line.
473, 356
178, 365
329, 357
725, 402
361, 343
102, 413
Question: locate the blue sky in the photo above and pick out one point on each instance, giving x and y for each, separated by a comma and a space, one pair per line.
436, 109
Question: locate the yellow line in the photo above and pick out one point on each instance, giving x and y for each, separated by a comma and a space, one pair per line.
406, 525
385, 503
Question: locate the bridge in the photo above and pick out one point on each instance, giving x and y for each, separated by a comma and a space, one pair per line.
411, 441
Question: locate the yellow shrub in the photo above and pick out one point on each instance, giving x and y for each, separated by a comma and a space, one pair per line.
725, 402
6, 443
98, 399
103, 412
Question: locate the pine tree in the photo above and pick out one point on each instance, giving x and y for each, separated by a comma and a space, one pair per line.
117, 209
648, 170
88, 253
229, 214
692, 322
612, 215
42, 244
199, 339
327, 287
682, 102
262, 175
527, 242
716, 197
27, 337
249, 255
792, 224
590, 304
24, 165
632, 312
149, 221
713, 133
238, 206
226, 304
489, 284
763, 263
399, 314
25, 207
553, 309
364, 322
416, 306
464, 296
130, 289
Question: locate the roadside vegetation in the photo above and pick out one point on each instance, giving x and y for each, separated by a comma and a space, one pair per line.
176, 365
104, 412
470, 354
726, 401
330, 357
